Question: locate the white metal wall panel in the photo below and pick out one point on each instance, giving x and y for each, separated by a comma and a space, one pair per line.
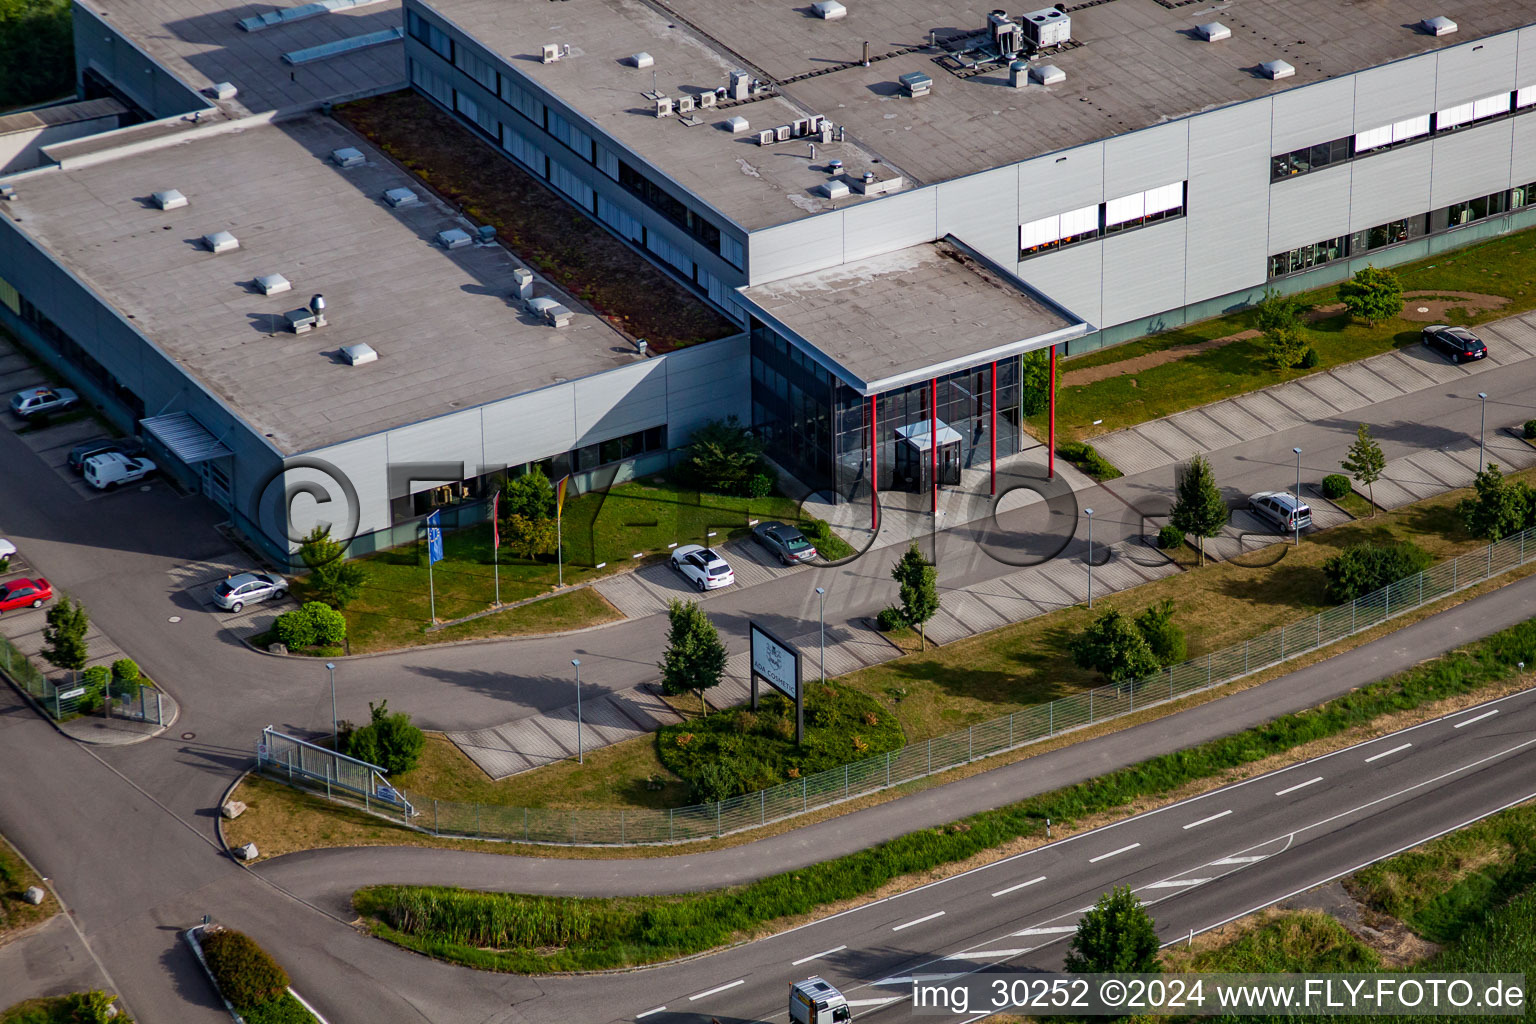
1525, 56
1146, 159
621, 401
1474, 69
1227, 216
1312, 114
1387, 186
364, 462
982, 210
531, 426
706, 382
1061, 182
1310, 207
1394, 91
1132, 288
451, 438
1071, 277
1523, 160
811, 243
1471, 163
889, 223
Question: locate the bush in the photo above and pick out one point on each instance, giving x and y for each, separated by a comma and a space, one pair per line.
1335, 486
1166, 639
1087, 458
723, 457
1169, 537
1310, 359
1112, 646
314, 625
245, 974
760, 486
388, 740
126, 679
96, 680
1362, 568
1530, 430
890, 619
332, 578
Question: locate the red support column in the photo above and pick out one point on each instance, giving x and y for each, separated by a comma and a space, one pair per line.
993, 431
1050, 443
933, 439
874, 463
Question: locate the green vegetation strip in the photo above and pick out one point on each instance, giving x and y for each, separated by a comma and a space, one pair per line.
534, 934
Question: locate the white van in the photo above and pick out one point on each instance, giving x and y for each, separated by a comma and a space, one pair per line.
110, 469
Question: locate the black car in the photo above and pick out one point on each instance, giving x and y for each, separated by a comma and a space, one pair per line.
128, 446
1457, 343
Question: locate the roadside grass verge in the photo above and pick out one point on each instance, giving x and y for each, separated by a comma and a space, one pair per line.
1281, 942
466, 927
16, 914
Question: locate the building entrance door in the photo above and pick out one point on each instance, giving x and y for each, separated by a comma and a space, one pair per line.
914, 457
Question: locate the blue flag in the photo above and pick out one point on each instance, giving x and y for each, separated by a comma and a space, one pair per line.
434, 538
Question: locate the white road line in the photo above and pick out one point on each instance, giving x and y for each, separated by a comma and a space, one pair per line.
813, 956
722, 988
1203, 821
908, 979
1176, 883
647, 1013
1479, 718
1016, 888
1239, 860
875, 1002
1299, 785
1053, 930
989, 954
920, 920
1112, 853
1388, 753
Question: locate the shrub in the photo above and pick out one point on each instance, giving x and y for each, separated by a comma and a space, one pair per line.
314, 625
1362, 568
890, 619
723, 457
332, 578
126, 679
1310, 359
1114, 647
1087, 458
1156, 626
245, 974
1335, 486
389, 740
1169, 537
760, 486
96, 678
1530, 430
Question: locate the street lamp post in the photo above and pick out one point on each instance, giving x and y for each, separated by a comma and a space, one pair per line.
1482, 425
576, 664
1089, 513
335, 732
1296, 517
821, 616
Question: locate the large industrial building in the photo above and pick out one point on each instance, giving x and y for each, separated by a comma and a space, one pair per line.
893, 199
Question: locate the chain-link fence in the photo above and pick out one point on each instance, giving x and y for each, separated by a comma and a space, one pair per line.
860, 778
70, 699
288, 757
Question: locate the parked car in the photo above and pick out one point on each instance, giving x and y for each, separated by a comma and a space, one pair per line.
36, 401
1284, 510
1456, 343
128, 446
786, 543
704, 567
24, 594
7, 549
112, 469
235, 592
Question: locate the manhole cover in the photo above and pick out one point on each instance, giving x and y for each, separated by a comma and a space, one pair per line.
174, 618
1423, 309
189, 735
144, 488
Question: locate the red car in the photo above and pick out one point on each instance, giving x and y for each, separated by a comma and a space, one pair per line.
24, 594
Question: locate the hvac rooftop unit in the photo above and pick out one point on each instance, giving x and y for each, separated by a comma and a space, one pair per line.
550, 311
347, 157
685, 104
454, 238
741, 85
707, 100
1007, 35
169, 199
663, 106
551, 52
271, 284
915, 83
1048, 27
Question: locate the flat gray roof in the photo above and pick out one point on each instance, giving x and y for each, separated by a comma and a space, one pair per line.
447, 336
910, 315
1138, 63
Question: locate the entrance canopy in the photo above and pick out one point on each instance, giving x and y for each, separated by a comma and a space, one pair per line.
185, 438
910, 315
917, 435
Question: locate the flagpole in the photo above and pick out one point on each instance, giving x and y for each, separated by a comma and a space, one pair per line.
559, 545
496, 542
431, 590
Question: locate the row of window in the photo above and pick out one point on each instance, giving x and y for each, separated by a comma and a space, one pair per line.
1403, 230
1399, 133
1090, 222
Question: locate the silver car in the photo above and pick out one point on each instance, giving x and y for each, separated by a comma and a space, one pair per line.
787, 543
235, 592
1282, 509
37, 401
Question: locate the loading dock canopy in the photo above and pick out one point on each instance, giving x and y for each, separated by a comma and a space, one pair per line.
184, 437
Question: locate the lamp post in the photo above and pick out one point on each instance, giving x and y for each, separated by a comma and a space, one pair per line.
821, 616
1296, 516
1482, 424
576, 664
1089, 513
335, 732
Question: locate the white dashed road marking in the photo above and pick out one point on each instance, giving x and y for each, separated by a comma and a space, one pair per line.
1479, 718
722, 988
1203, 821
1388, 753
1176, 883
1054, 930
1299, 785
1016, 888
920, 920
647, 1013
1112, 853
813, 956
1239, 860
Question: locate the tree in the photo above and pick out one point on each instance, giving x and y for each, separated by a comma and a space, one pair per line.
1361, 569
1163, 637
64, 642
1035, 381
1278, 318
1115, 936
388, 740
1498, 508
723, 457
530, 495
1114, 647
919, 583
528, 538
1365, 462
1198, 507
695, 658
36, 51
126, 678
1372, 294
332, 578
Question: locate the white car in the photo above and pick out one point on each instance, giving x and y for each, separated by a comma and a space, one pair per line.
110, 469
235, 592
704, 567
7, 549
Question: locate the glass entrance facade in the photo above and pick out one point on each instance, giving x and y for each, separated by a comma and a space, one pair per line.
819, 428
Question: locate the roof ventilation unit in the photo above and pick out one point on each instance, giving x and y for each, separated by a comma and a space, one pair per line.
169, 199
221, 241
833, 189
271, 284
1048, 27
740, 87
869, 186
222, 91
1007, 35
524, 281
1018, 74
1276, 69
829, 10
347, 157
307, 318
8, 193
550, 311
398, 197
454, 238
663, 106
642, 60
1213, 31
737, 125
552, 52
1047, 74
915, 83
357, 355
1438, 25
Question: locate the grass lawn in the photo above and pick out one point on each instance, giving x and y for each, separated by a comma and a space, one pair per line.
1503, 266
15, 912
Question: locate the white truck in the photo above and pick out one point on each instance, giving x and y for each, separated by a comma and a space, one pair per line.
814, 1001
